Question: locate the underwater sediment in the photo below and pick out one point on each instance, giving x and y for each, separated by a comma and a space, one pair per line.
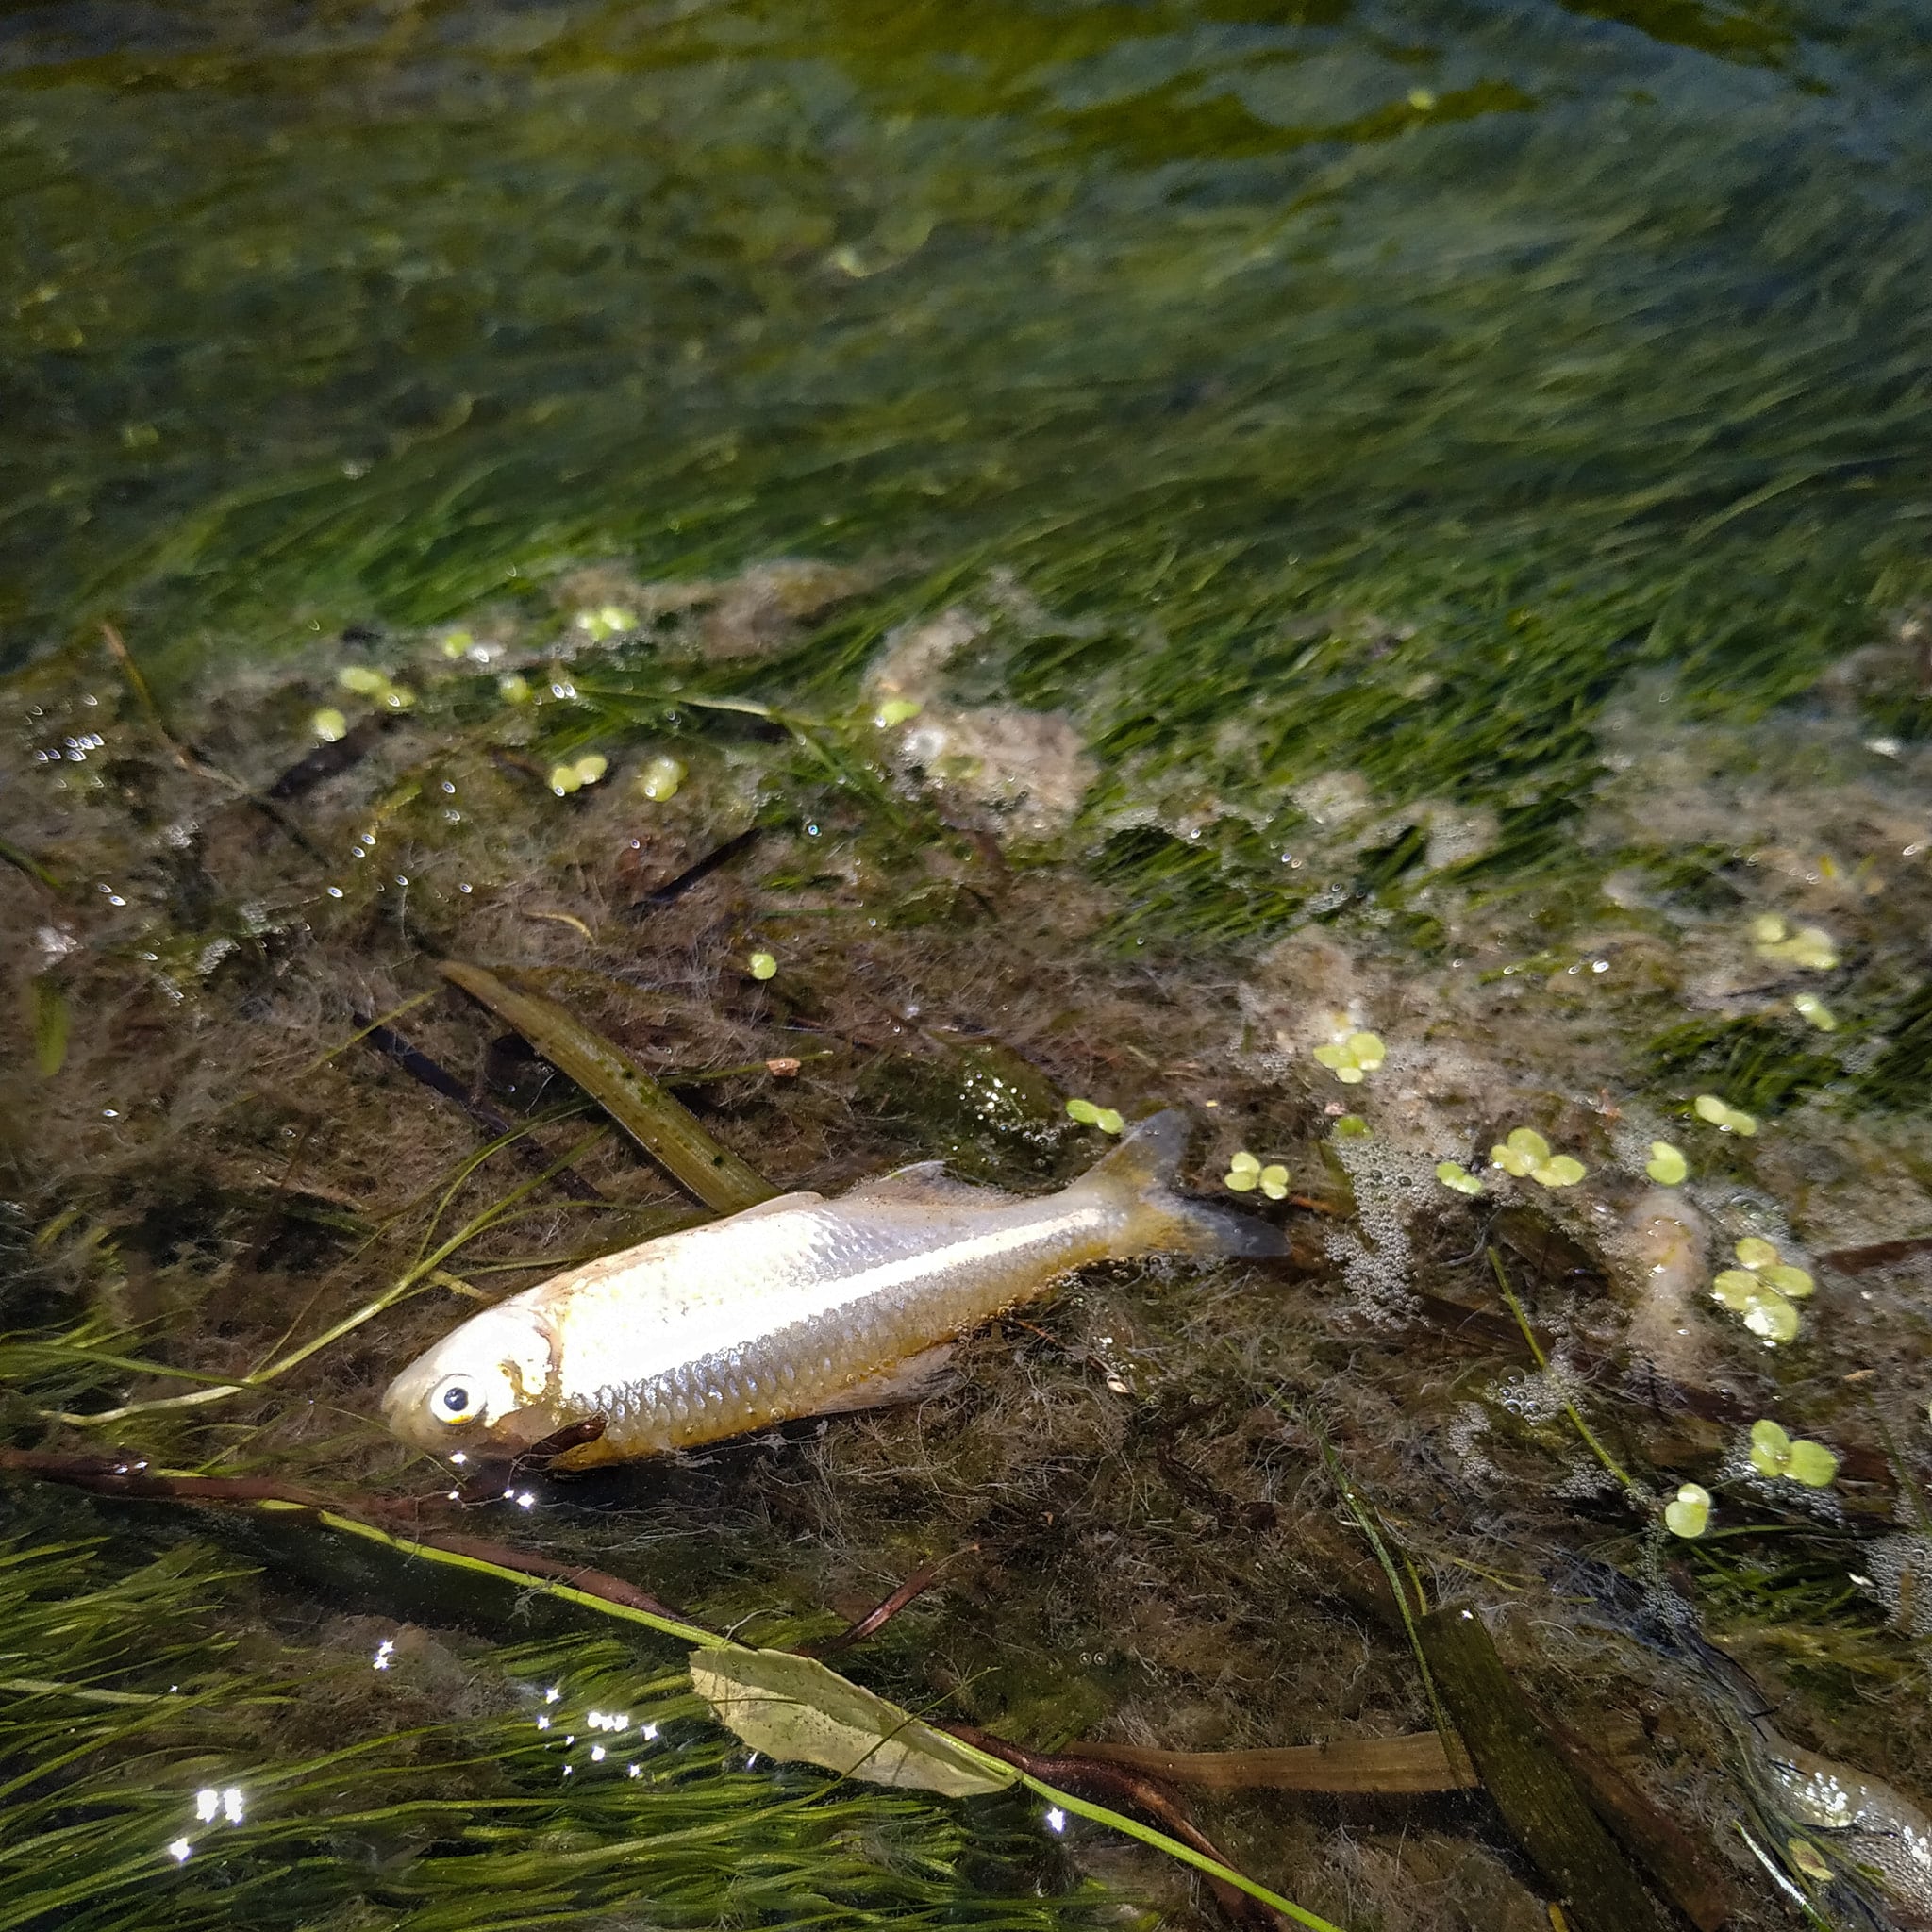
1599, 1313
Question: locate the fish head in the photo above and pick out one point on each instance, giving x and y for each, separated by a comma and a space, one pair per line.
488, 1385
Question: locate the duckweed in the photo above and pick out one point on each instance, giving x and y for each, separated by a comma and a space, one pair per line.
575, 774
1452, 1174
1666, 1165
1774, 1454
1811, 1008
1725, 1118
1520, 1152
1106, 1119
1245, 1174
896, 712
1353, 1059
1688, 1514
328, 724
1526, 1154
763, 965
364, 681
1759, 1254
661, 778
513, 688
1766, 1311
1810, 949
607, 621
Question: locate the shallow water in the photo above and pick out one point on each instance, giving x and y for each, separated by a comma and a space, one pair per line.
1190, 533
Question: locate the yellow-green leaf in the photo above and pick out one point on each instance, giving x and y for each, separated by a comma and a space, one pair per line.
1666, 1165
1688, 1514
1812, 1463
796, 1710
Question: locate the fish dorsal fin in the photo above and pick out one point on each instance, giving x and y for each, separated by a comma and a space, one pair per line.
925, 1184
779, 1204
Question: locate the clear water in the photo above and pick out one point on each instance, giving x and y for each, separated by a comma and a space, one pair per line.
1437, 504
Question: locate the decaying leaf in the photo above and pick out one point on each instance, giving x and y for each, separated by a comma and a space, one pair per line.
796, 1709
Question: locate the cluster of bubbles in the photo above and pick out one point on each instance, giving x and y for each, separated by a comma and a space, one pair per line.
1387, 1184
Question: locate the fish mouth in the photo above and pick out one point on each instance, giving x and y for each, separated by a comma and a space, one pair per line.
407, 1390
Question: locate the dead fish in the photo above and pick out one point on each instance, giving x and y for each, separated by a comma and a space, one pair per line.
1872, 1826
798, 1307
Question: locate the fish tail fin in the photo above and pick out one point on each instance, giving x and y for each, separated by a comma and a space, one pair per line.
1138, 1177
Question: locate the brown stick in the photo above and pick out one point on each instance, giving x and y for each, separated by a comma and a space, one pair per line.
1878, 1254
493, 1121
1405, 1766
1539, 1797
329, 761
1121, 1787
130, 1477
1679, 1864
663, 1127
881, 1614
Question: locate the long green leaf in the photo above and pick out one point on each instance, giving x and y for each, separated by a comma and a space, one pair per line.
50, 1014
661, 1125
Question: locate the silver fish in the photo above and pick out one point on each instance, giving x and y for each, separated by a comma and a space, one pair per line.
1872, 1826
799, 1306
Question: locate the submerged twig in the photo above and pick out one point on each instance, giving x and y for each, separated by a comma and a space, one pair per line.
661, 1125
1413, 1764
882, 1613
329, 761
1540, 1801
1674, 1858
1874, 1254
1067, 1779
700, 869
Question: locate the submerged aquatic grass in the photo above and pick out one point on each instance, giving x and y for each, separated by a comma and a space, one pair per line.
476, 1780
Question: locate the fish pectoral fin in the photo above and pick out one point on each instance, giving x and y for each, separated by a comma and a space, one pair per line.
918, 1375
927, 1183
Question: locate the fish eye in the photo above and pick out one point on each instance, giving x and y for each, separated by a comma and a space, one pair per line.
453, 1401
